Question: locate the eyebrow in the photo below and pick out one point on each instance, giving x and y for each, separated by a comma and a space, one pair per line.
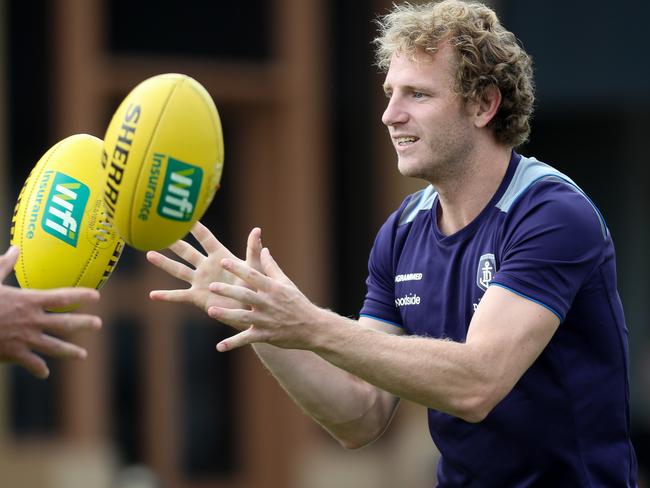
420, 88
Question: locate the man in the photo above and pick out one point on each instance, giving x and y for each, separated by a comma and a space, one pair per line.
26, 326
491, 293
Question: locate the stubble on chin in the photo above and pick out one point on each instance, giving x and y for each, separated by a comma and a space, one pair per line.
431, 171
445, 164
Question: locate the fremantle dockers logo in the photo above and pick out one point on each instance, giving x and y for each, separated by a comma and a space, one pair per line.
485, 271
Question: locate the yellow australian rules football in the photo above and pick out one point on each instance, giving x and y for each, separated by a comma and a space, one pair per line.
162, 159
60, 222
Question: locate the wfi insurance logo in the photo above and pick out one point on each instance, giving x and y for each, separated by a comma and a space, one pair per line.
65, 208
180, 190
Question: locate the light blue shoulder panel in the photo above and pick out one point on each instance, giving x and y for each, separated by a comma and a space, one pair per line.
530, 171
421, 200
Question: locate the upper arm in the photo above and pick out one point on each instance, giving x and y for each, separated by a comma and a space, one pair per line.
506, 335
556, 238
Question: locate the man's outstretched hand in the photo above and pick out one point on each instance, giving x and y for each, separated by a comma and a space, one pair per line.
202, 269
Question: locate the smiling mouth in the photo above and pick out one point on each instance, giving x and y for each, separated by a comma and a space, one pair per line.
406, 141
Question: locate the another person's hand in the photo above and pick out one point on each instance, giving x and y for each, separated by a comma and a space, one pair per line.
25, 324
204, 269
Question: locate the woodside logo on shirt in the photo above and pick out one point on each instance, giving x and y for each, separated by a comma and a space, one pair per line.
410, 299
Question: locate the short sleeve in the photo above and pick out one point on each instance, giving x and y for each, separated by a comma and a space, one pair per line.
379, 302
554, 238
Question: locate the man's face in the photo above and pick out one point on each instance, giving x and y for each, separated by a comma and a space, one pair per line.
428, 124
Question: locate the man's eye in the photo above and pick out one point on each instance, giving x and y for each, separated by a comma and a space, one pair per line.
418, 94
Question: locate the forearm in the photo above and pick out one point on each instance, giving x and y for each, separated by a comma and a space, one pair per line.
352, 410
439, 374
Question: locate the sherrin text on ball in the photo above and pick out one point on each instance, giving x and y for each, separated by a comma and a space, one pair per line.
162, 159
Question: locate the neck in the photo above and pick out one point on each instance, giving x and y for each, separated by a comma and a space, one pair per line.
464, 195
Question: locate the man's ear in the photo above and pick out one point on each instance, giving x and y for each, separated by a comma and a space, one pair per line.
487, 106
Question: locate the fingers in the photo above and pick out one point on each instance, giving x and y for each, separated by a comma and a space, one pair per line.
47, 345
207, 240
57, 348
174, 268
177, 296
8, 261
63, 297
254, 248
187, 252
33, 363
237, 318
244, 338
245, 272
271, 268
67, 323
238, 293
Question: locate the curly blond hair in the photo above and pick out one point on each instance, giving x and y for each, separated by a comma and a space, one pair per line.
487, 55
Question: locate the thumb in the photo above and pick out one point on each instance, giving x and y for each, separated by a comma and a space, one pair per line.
271, 269
7, 261
244, 338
